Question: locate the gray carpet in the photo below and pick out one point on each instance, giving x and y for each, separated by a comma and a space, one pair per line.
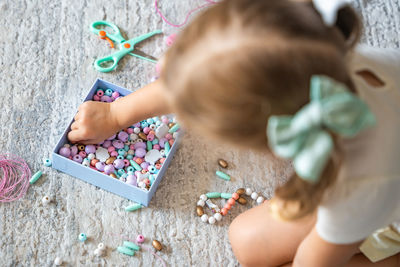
46, 57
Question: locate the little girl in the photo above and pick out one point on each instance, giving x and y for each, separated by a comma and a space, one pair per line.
284, 74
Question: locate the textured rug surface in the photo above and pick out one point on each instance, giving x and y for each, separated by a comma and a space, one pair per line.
46, 57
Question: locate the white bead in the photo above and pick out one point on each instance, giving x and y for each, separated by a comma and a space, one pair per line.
142, 185
101, 246
174, 119
260, 200
98, 252
204, 218
46, 200
133, 136
254, 195
211, 220
57, 261
152, 126
203, 197
163, 117
175, 135
91, 156
86, 162
136, 130
131, 152
162, 151
201, 203
218, 216
248, 191
67, 145
162, 130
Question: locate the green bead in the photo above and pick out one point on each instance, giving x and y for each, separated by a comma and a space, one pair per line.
135, 165
47, 162
167, 147
149, 145
133, 207
223, 175
126, 251
82, 237
35, 177
174, 128
226, 195
213, 195
131, 245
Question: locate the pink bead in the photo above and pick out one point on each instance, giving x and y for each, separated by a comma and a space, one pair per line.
150, 137
146, 130
139, 160
115, 94
227, 206
132, 147
107, 144
146, 181
96, 98
231, 201
127, 163
171, 142
170, 39
235, 196
114, 153
110, 149
156, 146
168, 136
165, 120
140, 239
82, 154
100, 93
65, 152
158, 166
129, 130
74, 150
162, 160
224, 211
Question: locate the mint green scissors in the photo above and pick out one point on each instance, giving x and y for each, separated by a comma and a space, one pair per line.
125, 46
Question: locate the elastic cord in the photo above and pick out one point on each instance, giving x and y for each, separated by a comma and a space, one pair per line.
209, 2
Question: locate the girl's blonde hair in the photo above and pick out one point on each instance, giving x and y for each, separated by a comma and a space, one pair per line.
243, 60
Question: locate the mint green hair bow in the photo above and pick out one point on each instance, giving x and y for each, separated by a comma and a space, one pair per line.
304, 137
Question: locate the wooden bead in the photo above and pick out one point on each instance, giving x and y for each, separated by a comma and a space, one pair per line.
171, 124
223, 163
199, 211
241, 191
113, 175
110, 160
142, 136
157, 245
242, 201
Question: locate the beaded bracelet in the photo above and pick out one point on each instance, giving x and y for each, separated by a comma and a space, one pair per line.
238, 196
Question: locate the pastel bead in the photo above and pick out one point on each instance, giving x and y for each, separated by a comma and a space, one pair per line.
149, 145
133, 207
118, 144
227, 206
74, 150
260, 200
150, 137
157, 147
77, 158
46, 200
211, 220
91, 156
213, 195
161, 131
138, 160
218, 216
167, 148
224, 211
82, 237
249, 191
65, 152
140, 239
35, 177
107, 144
201, 203
146, 130
204, 218
123, 136
223, 175
109, 169
101, 246
168, 136
254, 195
58, 261
136, 130
131, 245
82, 154
231, 201
90, 149
204, 197
140, 152
140, 145
119, 163
135, 165
106, 99
96, 98
108, 92
100, 166
47, 162
170, 39
115, 94
126, 251
114, 153
144, 165
112, 137
100, 92
174, 129
235, 196
129, 130
131, 179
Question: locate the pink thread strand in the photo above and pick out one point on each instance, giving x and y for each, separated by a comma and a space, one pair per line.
14, 178
209, 2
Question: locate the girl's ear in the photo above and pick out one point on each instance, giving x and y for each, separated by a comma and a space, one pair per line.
348, 23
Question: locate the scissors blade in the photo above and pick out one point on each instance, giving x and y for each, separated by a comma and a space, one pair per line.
143, 55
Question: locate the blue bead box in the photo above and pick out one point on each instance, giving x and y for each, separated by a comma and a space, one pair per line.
102, 180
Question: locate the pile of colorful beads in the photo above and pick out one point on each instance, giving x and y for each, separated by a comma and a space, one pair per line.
238, 196
133, 155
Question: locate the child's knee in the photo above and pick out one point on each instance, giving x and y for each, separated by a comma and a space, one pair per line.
243, 237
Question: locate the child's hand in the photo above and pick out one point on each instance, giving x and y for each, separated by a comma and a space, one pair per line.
94, 123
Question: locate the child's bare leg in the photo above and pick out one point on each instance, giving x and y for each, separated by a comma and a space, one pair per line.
257, 239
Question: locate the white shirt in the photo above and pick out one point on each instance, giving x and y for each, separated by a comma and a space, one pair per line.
366, 196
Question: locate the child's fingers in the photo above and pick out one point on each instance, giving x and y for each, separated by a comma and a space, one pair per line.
75, 136
77, 115
74, 125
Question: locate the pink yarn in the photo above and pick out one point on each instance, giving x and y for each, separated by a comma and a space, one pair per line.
209, 2
14, 178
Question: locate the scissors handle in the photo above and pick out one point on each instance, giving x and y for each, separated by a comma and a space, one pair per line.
143, 37
116, 36
114, 58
